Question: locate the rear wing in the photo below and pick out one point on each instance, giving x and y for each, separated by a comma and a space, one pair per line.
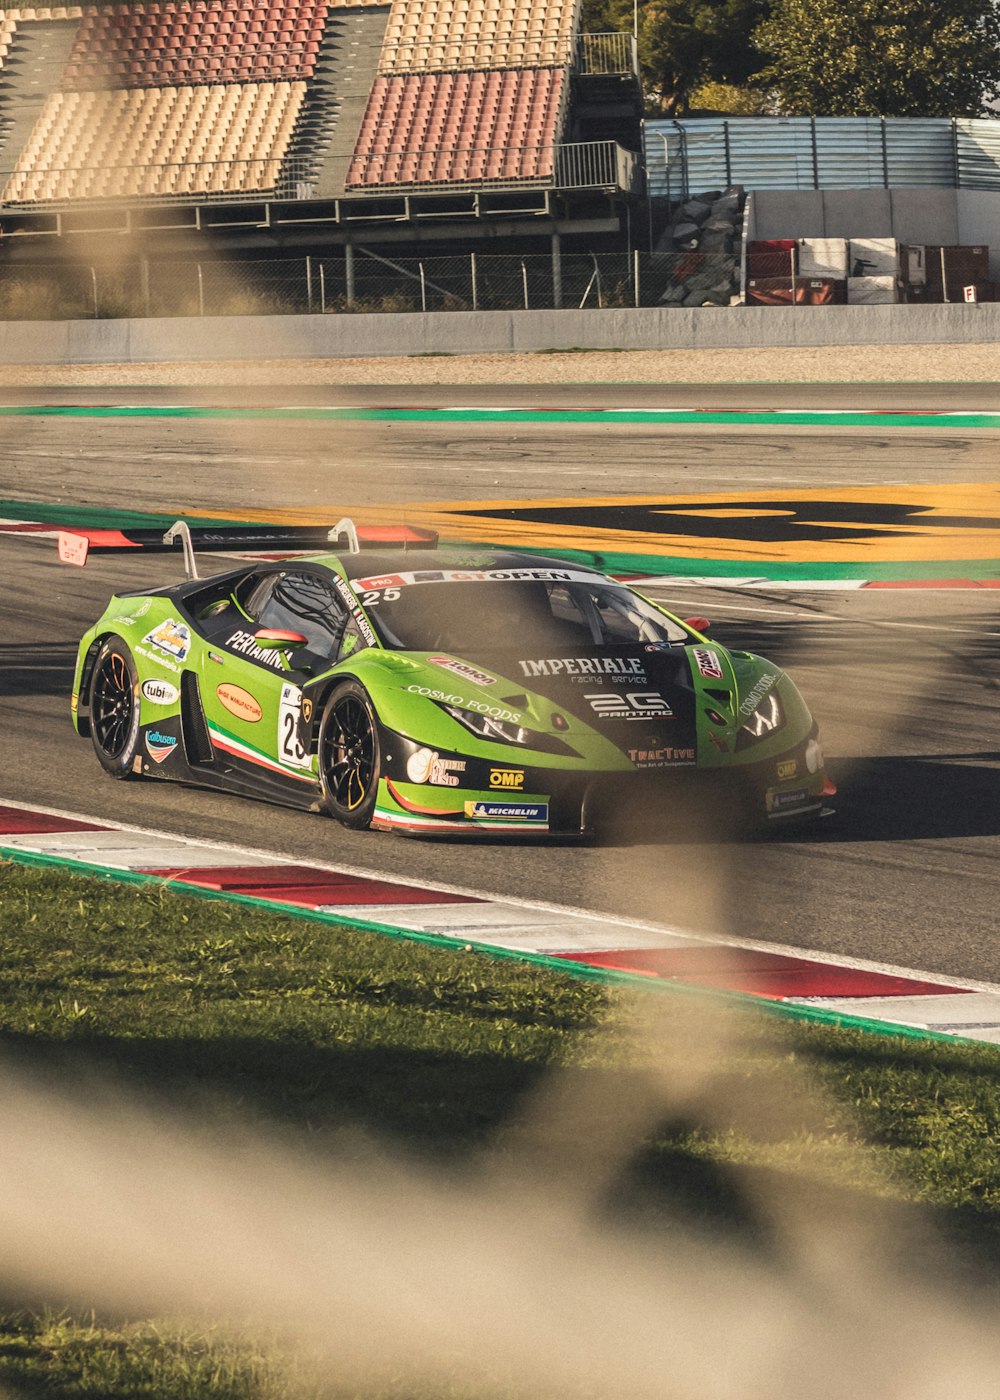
75, 546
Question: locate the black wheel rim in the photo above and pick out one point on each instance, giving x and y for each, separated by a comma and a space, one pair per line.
113, 705
349, 754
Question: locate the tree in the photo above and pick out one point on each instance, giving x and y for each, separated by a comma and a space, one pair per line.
897, 58
684, 43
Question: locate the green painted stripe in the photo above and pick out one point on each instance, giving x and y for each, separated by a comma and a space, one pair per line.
102, 517
584, 971
666, 416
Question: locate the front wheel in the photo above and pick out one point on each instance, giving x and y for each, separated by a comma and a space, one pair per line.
114, 709
349, 756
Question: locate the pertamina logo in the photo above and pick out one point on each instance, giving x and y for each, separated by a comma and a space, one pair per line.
507, 778
630, 705
239, 702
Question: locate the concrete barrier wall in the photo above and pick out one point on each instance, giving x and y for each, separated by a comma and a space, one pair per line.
467, 332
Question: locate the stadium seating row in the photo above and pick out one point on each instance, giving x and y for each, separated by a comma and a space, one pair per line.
436, 35
226, 139
432, 127
196, 42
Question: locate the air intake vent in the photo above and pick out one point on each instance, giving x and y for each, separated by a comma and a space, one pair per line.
194, 730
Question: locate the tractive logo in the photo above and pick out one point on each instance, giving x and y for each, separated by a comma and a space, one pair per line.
632, 705
657, 758
160, 692
239, 702
159, 746
707, 663
506, 777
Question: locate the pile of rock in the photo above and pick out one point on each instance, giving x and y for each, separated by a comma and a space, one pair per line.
704, 234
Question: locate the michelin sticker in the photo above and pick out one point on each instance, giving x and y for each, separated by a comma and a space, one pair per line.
507, 811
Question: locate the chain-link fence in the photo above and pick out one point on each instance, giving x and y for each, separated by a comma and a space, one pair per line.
365, 281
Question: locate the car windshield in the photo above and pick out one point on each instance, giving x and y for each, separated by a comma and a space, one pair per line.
497, 613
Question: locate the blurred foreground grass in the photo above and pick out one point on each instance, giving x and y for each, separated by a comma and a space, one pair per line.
332, 1035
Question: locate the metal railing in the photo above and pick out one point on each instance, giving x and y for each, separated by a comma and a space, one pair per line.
577, 165
612, 54
177, 181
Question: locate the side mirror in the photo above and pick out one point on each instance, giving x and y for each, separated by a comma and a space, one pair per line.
277, 639
700, 624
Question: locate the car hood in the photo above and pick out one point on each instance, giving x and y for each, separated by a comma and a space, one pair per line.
642, 698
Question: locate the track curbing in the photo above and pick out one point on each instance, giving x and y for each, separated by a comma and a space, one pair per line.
859, 995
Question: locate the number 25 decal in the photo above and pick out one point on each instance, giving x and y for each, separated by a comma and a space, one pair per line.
290, 750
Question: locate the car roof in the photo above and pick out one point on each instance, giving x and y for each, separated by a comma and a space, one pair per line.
370, 563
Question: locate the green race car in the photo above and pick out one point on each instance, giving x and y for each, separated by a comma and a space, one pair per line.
466, 692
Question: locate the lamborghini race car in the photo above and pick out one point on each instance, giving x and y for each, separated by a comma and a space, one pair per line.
474, 691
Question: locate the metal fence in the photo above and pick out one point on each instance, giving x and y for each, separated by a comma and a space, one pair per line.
608, 54
364, 281
807, 153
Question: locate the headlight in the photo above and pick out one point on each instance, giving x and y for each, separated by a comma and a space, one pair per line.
496, 730
766, 720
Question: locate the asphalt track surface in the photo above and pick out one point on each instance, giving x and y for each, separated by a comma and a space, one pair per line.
906, 684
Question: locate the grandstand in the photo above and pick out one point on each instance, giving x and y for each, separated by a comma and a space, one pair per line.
309, 115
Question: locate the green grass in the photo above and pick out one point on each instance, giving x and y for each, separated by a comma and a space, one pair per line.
264, 1019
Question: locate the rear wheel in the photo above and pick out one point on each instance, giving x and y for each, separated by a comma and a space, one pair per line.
349, 757
114, 709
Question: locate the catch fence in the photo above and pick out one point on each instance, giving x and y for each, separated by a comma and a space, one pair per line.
364, 281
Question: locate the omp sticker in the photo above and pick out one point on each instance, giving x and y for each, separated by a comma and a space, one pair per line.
159, 692
463, 669
788, 769
708, 663
506, 777
160, 746
172, 637
290, 706
632, 705
239, 702
507, 811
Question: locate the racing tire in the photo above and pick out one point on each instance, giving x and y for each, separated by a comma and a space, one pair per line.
114, 709
349, 756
